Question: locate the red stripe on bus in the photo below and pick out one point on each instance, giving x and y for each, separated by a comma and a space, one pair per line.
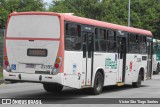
88, 21
52, 39
92, 22
35, 13
61, 45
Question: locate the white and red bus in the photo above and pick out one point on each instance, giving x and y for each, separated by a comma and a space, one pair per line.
156, 56
65, 50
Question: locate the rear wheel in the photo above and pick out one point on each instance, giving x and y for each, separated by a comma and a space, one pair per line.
98, 84
138, 83
49, 87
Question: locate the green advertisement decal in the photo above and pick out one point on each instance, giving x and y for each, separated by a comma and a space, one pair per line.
110, 63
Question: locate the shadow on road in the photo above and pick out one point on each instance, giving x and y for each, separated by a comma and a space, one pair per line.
71, 96
113, 88
75, 93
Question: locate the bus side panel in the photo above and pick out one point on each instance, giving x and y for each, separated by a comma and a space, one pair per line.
73, 69
17, 55
143, 64
133, 64
154, 63
108, 62
131, 70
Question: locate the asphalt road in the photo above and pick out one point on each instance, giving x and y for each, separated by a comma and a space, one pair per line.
149, 89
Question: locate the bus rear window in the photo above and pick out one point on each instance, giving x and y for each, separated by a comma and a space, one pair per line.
34, 26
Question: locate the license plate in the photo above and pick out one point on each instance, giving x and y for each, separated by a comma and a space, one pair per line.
37, 52
30, 66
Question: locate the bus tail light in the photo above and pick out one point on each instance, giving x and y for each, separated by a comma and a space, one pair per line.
6, 64
58, 60
6, 61
57, 65
5, 58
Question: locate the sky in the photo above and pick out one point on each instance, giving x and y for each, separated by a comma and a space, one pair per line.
48, 1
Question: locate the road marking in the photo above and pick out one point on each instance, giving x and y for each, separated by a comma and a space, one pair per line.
156, 77
2, 85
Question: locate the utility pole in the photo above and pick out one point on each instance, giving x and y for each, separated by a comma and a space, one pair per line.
129, 21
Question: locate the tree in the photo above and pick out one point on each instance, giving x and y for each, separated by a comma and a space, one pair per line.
25, 5
3, 13
87, 8
144, 13
8, 6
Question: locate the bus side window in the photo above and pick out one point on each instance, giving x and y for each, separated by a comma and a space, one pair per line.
132, 39
134, 43
72, 37
66, 29
96, 39
100, 41
103, 40
96, 33
111, 41
155, 47
102, 34
128, 40
143, 44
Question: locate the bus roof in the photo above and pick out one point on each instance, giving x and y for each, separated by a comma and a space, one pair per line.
106, 24
88, 21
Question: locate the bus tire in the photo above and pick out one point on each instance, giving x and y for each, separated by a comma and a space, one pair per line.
138, 83
50, 87
158, 69
98, 84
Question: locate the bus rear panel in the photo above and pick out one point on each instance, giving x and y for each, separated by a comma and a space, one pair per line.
32, 48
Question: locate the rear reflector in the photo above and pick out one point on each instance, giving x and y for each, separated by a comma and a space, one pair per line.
6, 63
56, 65
12, 75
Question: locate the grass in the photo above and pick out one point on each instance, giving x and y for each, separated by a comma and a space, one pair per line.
1, 73
1, 38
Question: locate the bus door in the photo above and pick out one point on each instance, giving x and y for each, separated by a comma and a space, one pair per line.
88, 47
122, 58
149, 61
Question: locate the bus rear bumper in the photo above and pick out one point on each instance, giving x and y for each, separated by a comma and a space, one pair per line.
37, 78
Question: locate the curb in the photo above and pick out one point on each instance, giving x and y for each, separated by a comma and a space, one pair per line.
156, 77
2, 81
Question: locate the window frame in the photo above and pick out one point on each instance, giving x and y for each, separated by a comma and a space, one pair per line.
78, 36
105, 38
133, 39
